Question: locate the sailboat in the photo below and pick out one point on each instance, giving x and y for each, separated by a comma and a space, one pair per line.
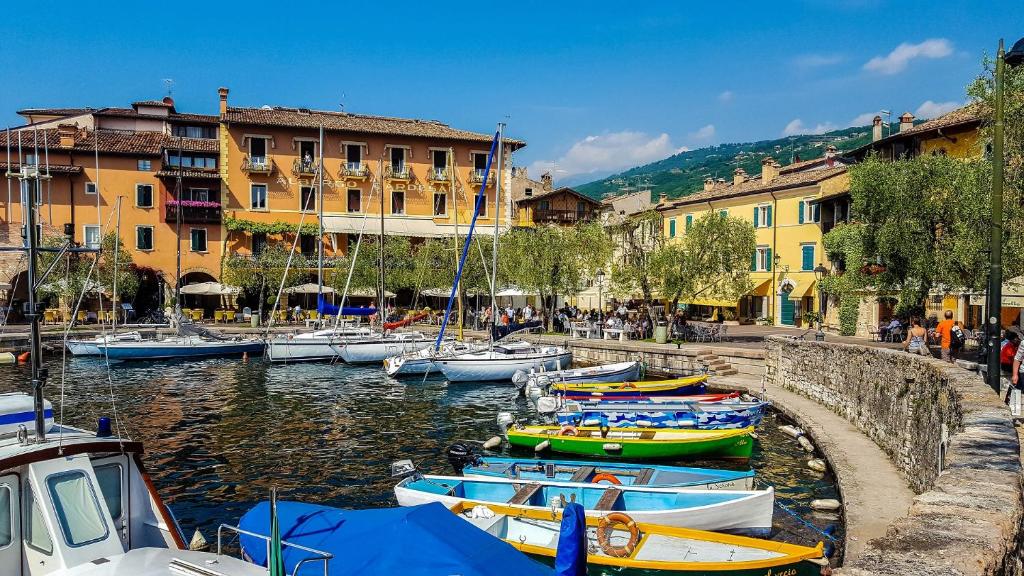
91, 347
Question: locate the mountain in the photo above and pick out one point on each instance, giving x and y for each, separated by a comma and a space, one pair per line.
684, 173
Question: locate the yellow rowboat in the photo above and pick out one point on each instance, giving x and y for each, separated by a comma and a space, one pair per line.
616, 541
634, 442
596, 390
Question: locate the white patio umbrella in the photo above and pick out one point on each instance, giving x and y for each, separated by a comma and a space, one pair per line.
209, 289
308, 288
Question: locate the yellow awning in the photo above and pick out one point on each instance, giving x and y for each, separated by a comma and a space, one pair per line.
802, 290
761, 289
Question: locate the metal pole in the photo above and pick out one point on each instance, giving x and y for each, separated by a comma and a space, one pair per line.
995, 279
381, 308
117, 253
38, 373
494, 246
320, 220
177, 233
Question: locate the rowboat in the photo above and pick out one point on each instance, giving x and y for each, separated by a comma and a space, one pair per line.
180, 347
91, 347
552, 404
501, 362
617, 372
710, 416
635, 442
749, 511
675, 387
422, 362
624, 474
643, 546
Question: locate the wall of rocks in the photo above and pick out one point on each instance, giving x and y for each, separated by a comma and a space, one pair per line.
950, 436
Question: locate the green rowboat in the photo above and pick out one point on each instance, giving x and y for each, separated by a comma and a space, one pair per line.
639, 443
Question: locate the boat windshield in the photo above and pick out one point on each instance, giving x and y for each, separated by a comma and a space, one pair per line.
78, 511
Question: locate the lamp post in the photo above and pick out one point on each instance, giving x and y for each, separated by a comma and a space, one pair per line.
599, 277
995, 279
776, 314
819, 273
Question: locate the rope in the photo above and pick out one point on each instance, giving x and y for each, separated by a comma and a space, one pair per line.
64, 356
806, 524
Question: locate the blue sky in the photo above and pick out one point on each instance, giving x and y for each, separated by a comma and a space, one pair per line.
592, 87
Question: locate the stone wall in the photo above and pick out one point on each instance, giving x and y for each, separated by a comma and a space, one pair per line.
949, 435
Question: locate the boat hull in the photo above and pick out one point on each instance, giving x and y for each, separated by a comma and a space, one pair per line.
301, 350
626, 474
499, 369
595, 391
163, 351
655, 415
608, 373
628, 444
92, 347
377, 351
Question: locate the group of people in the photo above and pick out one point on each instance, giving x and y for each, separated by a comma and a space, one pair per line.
484, 317
948, 332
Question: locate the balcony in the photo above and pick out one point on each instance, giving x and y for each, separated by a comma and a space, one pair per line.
476, 177
569, 217
398, 172
303, 168
439, 175
257, 165
354, 170
193, 212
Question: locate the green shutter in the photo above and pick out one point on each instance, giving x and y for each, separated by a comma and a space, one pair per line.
808, 257
689, 221
753, 262
672, 228
755, 217
768, 254
800, 214
817, 212
769, 217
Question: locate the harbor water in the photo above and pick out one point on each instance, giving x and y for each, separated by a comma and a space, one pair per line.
219, 434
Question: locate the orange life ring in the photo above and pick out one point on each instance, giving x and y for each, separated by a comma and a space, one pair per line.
567, 430
604, 530
605, 476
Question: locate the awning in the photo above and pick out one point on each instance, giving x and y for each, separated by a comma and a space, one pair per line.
802, 290
1012, 294
402, 226
436, 292
761, 289
308, 288
513, 291
209, 289
713, 302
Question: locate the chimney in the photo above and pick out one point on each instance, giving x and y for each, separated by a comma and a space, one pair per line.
223, 93
876, 129
739, 176
709, 184
662, 198
769, 170
169, 101
906, 121
546, 181
830, 156
67, 133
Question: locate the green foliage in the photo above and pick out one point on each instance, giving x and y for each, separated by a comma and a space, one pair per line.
437, 261
400, 263
260, 275
638, 238
849, 308
68, 278
277, 227
712, 260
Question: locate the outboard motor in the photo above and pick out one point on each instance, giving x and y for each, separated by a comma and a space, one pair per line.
547, 405
505, 421
461, 455
533, 393
403, 469
519, 379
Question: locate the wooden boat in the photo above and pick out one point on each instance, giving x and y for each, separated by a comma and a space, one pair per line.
625, 474
710, 416
635, 442
675, 387
651, 547
617, 372
748, 511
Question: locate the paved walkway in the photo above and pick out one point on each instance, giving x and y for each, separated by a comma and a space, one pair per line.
873, 492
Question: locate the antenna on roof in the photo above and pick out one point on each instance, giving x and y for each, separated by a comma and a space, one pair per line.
169, 84
342, 103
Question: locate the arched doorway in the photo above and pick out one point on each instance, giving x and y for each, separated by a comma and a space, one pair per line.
206, 303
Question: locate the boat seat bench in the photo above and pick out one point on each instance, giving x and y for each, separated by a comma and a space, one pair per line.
608, 499
582, 474
644, 477
523, 494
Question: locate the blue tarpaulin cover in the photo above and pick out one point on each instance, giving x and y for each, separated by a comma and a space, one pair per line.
418, 540
325, 307
571, 557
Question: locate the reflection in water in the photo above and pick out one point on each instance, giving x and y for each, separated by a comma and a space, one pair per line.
220, 433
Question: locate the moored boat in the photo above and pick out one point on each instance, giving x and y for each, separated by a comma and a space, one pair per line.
422, 362
617, 372
634, 442
674, 387
182, 347
310, 346
643, 546
91, 347
502, 361
376, 349
748, 511
704, 416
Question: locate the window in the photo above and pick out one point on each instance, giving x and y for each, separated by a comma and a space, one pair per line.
188, 160
398, 202
145, 165
689, 221
483, 206
36, 534
307, 154
307, 199
144, 195
198, 239
723, 213
91, 236
581, 208
6, 517
307, 244
144, 237
480, 163
763, 216
90, 187
259, 242
672, 228
109, 478
440, 163
440, 204
78, 511
195, 131
807, 257
354, 156
543, 205
809, 212
354, 199
528, 192
762, 260
258, 196
397, 160
258, 150
196, 194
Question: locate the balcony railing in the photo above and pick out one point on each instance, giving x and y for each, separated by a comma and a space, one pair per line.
257, 165
563, 216
354, 170
477, 177
193, 212
304, 168
438, 175
400, 172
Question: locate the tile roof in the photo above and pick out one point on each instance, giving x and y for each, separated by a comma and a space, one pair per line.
973, 113
107, 141
54, 168
55, 111
545, 193
172, 172
343, 121
172, 117
756, 186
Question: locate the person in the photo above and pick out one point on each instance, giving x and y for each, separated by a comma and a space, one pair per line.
917, 339
1015, 380
888, 329
527, 313
1008, 351
944, 330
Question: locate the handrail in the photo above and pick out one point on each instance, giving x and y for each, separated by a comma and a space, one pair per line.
322, 556
248, 165
404, 173
300, 166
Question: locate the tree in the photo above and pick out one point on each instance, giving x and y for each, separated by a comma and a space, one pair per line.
639, 237
260, 275
399, 265
68, 279
712, 260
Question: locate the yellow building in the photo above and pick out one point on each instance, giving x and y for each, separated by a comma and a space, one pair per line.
782, 203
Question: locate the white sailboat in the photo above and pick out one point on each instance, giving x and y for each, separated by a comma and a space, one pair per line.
91, 347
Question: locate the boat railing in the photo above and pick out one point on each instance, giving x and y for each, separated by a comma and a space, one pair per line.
319, 555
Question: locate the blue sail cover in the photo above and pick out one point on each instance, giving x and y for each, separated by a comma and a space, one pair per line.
325, 307
419, 540
571, 557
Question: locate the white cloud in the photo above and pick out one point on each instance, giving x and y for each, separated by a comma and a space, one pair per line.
704, 133
726, 96
796, 126
896, 61
863, 119
609, 152
931, 109
810, 61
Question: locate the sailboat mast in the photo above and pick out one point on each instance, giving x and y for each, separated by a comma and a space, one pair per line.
117, 252
35, 354
494, 246
380, 302
455, 209
177, 233
320, 228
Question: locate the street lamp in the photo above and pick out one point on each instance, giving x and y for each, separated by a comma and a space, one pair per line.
599, 277
819, 273
1014, 57
775, 289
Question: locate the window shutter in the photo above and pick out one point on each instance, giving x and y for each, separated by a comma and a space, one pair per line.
689, 221
808, 260
753, 262
800, 215
768, 257
817, 212
672, 228
756, 224
768, 218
